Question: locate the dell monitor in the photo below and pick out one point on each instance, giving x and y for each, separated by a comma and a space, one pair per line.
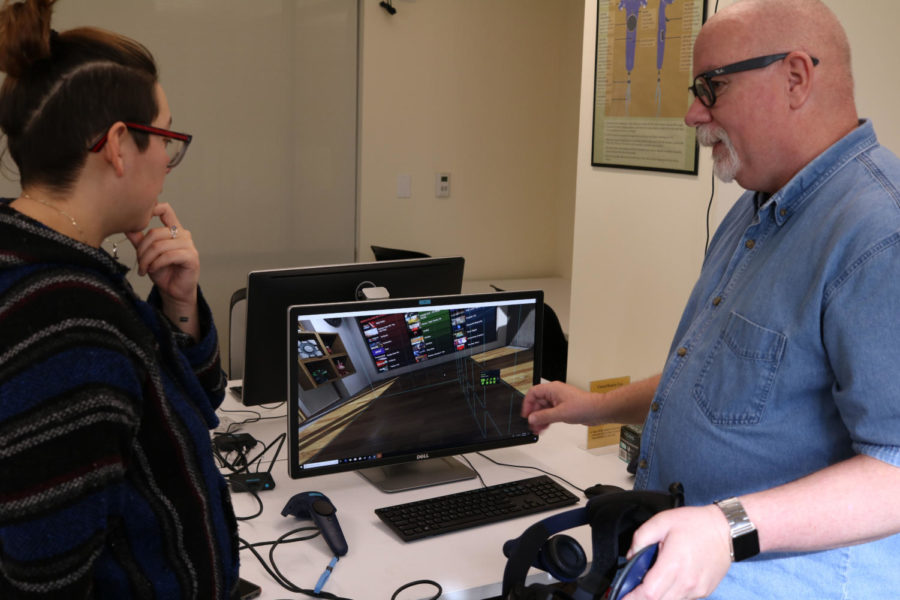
271, 292
395, 388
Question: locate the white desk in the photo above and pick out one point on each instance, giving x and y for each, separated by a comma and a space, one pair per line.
468, 564
557, 292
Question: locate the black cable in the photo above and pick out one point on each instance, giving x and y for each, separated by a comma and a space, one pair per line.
297, 588
279, 577
255, 496
237, 466
246, 464
281, 437
555, 476
712, 194
275, 573
239, 443
224, 463
273, 406
255, 419
405, 586
245, 545
463, 456
242, 465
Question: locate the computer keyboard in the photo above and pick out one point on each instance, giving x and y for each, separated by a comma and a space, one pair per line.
452, 512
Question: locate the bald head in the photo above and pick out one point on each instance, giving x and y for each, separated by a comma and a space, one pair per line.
760, 27
781, 116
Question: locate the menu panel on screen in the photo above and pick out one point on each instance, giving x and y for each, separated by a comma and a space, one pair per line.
400, 339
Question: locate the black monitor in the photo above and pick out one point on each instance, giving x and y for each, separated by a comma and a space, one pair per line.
395, 388
271, 292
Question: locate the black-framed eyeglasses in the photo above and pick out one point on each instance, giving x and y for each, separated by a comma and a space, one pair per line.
704, 88
176, 143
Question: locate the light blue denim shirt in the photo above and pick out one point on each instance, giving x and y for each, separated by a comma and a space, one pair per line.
787, 360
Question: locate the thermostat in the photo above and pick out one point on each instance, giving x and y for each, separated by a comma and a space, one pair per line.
442, 185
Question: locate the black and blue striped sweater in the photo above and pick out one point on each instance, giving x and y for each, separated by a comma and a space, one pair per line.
108, 488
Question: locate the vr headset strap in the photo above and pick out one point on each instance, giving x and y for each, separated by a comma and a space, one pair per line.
531, 540
613, 519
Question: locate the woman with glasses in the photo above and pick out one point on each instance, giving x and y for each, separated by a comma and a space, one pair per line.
108, 487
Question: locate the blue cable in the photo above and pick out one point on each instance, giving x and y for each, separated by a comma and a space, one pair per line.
324, 576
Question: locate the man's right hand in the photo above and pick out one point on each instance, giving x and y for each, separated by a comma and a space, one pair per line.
558, 402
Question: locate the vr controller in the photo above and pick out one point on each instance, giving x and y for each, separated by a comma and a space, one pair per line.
316, 506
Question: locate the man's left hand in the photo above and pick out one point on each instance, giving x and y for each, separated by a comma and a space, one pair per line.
694, 553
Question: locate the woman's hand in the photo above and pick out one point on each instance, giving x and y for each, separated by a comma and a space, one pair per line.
168, 255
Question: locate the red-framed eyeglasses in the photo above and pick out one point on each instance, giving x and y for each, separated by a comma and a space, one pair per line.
176, 143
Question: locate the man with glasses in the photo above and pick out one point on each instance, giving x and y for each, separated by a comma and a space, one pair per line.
779, 405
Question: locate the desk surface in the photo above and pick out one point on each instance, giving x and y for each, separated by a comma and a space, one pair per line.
468, 564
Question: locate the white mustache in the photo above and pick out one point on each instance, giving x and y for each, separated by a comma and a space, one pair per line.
724, 167
709, 135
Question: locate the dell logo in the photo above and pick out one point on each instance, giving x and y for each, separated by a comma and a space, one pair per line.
422, 456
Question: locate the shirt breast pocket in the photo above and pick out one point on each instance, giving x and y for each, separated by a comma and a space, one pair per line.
739, 372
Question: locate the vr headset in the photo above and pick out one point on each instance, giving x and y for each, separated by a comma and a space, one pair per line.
614, 515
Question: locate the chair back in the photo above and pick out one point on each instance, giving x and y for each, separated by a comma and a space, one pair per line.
382, 253
237, 333
555, 352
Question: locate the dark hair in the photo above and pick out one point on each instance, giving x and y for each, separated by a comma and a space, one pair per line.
64, 90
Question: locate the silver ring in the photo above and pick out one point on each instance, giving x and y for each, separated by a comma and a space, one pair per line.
174, 229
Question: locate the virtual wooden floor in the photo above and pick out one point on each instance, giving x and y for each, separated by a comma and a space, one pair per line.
356, 428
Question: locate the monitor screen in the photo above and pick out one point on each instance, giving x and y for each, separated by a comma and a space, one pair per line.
394, 387
271, 292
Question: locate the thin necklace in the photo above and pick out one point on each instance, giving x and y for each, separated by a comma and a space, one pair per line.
115, 246
60, 211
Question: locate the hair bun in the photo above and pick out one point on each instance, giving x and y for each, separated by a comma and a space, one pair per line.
25, 35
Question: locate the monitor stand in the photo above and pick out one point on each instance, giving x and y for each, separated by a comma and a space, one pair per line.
420, 473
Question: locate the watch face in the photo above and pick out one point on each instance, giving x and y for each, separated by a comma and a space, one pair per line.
745, 546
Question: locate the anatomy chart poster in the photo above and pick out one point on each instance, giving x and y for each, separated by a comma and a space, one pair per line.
642, 76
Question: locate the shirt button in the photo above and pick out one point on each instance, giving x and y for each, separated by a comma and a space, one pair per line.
749, 244
681, 351
642, 464
655, 407
717, 300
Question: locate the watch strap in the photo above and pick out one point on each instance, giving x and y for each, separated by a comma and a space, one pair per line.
744, 538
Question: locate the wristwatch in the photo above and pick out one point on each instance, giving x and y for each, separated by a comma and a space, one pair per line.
744, 539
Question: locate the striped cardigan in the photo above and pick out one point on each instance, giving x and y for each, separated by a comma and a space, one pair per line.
108, 488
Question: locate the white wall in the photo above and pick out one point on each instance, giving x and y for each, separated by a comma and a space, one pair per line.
268, 89
486, 90
639, 236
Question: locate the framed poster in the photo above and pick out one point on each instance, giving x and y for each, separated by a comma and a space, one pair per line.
643, 70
